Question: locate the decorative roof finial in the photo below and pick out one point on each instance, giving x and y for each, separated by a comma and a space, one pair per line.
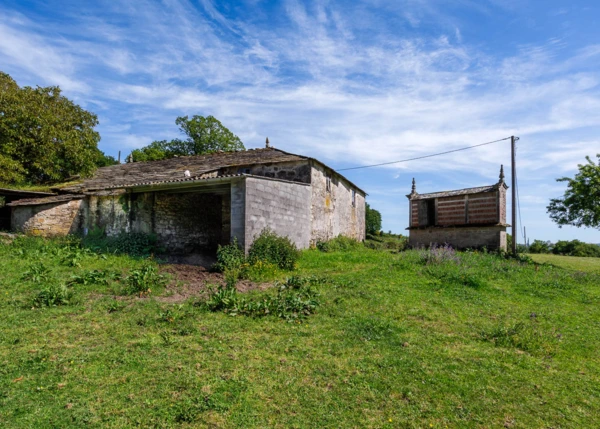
414, 187
267, 143
501, 173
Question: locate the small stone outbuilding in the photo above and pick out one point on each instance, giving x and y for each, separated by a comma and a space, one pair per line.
195, 203
464, 218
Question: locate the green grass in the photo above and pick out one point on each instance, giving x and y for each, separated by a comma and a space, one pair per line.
569, 262
477, 342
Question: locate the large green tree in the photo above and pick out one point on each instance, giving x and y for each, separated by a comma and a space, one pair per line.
204, 135
44, 136
580, 205
372, 220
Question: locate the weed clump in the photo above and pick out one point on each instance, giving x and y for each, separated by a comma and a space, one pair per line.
142, 280
522, 336
53, 295
36, 273
130, 243
295, 299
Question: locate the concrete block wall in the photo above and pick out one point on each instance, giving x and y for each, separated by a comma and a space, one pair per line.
332, 210
460, 238
281, 206
238, 212
48, 220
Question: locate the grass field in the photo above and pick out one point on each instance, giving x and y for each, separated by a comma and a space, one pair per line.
569, 262
399, 340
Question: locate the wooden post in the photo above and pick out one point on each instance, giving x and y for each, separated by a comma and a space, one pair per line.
514, 197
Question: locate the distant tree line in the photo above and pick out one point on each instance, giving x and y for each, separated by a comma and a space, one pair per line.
566, 248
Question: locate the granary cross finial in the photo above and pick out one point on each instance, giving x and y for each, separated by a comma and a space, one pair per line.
414, 186
267, 143
501, 173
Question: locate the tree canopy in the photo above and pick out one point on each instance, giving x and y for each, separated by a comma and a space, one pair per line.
372, 220
204, 135
44, 136
580, 205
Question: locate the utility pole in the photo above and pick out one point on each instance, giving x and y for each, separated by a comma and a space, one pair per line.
514, 195
119, 160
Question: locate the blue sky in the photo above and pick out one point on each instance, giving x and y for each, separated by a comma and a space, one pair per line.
349, 83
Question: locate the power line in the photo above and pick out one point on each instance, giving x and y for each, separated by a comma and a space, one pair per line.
425, 156
519, 205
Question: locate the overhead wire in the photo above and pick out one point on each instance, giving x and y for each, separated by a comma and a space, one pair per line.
519, 203
424, 156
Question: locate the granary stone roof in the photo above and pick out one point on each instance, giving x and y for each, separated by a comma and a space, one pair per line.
466, 191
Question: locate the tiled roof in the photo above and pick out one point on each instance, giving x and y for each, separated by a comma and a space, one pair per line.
125, 175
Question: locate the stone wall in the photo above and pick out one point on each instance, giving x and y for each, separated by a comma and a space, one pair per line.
281, 206
48, 220
111, 213
183, 222
332, 210
291, 171
492, 237
188, 222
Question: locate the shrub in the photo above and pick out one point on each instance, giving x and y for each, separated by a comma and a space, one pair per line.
576, 248
269, 247
143, 280
340, 243
230, 256
53, 295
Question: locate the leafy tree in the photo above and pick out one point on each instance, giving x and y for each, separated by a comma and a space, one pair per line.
103, 160
576, 248
539, 246
44, 136
372, 220
580, 205
204, 135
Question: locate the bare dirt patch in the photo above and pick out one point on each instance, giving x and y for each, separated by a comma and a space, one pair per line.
193, 281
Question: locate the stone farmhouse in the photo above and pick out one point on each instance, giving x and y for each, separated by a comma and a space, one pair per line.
463, 218
195, 203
